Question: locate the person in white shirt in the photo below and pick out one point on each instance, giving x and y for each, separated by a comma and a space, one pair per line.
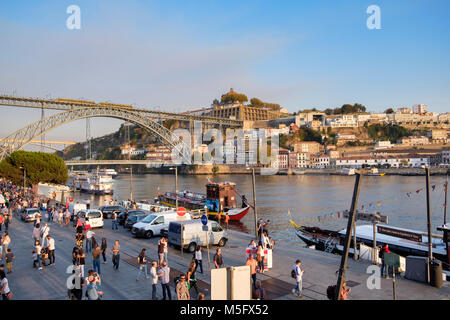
89, 235
198, 259
4, 288
299, 274
44, 232
51, 249
154, 277
38, 249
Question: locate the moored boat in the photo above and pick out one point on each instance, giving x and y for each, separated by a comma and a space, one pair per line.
219, 198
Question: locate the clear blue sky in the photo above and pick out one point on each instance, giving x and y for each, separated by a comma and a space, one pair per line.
183, 54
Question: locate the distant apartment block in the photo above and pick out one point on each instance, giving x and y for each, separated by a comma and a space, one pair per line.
131, 150
158, 153
342, 121
404, 110
412, 161
413, 141
420, 108
383, 144
310, 147
438, 135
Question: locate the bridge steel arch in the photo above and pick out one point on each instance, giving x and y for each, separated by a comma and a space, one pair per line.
24, 136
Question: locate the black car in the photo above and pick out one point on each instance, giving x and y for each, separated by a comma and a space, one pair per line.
125, 214
109, 210
133, 219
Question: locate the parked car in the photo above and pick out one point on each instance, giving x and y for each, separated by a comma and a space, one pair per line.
127, 213
154, 223
131, 220
30, 214
109, 210
94, 216
190, 234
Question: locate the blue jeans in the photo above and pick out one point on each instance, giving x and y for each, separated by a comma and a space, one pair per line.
39, 260
142, 266
153, 291
165, 287
114, 225
97, 265
116, 260
299, 287
88, 245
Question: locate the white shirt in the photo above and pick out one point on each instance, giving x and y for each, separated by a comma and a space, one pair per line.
198, 255
299, 272
89, 234
5, 282
154, 275
51, 244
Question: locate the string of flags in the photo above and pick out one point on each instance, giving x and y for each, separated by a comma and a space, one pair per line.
340, 214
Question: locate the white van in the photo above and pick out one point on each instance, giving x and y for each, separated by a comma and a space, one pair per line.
74, 208
95, 217
154, 223
190, 234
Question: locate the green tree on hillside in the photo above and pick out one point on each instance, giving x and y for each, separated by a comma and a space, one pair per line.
39, 167
380, 132
389, 110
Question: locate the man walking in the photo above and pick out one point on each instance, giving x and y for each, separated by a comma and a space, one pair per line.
114, 221
116, 254
182, 288
299, 283
163, 273
218, 259
142, 262
383, 251
89, 235
96, 258
252, 263
51, 249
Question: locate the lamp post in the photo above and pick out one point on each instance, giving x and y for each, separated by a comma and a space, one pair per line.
254, 202
176, 185
24, 180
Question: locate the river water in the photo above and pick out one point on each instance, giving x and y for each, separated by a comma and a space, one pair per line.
307, 198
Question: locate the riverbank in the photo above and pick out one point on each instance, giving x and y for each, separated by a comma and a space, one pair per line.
242, 169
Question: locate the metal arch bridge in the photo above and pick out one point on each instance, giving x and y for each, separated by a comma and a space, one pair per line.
116, 162
24, 136
37, 103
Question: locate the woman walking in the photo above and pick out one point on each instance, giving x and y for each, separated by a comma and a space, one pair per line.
190, 277
81, 261
260, 258
103, 247
38, 249
198, 259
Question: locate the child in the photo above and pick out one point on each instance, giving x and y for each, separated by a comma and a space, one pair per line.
35, 259
9, 260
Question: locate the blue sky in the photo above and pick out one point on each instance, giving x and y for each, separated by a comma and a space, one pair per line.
182, 54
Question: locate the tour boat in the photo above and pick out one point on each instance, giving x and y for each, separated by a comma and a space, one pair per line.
404, 242
219, 198
345, 172
107, 172
374, 173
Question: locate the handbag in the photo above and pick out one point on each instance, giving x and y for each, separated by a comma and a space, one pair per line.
9, 295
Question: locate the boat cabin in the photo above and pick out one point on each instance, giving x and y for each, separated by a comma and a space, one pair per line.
221, 196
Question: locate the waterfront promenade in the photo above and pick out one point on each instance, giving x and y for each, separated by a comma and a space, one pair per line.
49, 283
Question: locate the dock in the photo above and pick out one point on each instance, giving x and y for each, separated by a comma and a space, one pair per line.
320, 269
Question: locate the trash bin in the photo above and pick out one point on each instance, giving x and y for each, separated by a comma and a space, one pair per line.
436, 273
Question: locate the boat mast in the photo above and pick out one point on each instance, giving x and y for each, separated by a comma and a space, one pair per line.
430, 245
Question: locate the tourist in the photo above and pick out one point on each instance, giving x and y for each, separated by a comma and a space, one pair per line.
6, 241
9, 260
266, 227
227, 218
6, 221
76, 293
164, 273
103, 247
4, 288
252, 263
36, 233
116, 254
251, 247
218, 259
259, 226
182, 289
259, 293
93, 281
81, 261
142, 263
114, 221
89, 235
51, 249
44, 232
154, 276
67, 217
160, 251
260, 258
190, 277
60, 217
1, 221
96, 258
38, 249
383, 251
79, 237
166, 249
299, 282
198, 259
344, 291
75, 252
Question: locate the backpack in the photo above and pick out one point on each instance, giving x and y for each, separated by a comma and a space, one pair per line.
293, 274
381, 253
331, 292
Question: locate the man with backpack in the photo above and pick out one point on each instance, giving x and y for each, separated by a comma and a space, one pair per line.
297, 274
383, 251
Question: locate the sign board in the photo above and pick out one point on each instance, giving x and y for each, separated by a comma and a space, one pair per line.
181, 211
240, 283
219, 284
205, 228
392, 259
412, 236
204, 219
364, 216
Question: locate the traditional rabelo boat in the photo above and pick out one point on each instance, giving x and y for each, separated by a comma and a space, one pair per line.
220, 198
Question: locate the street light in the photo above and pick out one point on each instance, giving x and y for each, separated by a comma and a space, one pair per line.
254, 201
176, 185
